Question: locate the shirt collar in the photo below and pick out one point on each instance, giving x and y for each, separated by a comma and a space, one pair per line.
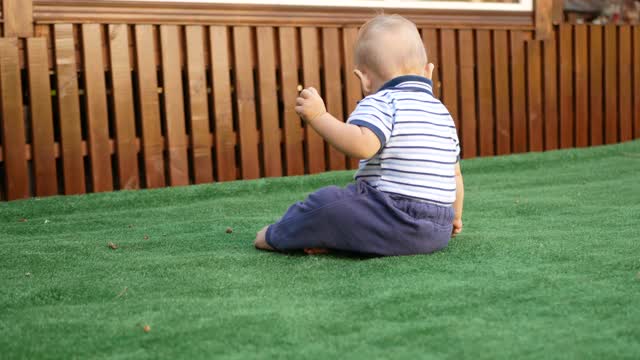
415, 79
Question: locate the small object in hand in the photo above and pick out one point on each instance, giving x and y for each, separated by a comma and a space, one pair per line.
22, 220
229, 230
300, 88
146, 328
28, 274
112, 246
146, 237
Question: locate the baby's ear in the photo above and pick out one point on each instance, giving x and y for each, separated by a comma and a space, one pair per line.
365, 82
428, 70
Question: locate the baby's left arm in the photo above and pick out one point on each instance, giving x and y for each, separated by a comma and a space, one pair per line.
352, 140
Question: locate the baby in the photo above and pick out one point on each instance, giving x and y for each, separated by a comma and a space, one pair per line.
408, 192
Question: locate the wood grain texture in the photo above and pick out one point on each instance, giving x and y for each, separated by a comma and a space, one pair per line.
271, 151
315, 145
123, 107
534, 96
152, 143
468, 116
96, 105
17, 18
246, 103
543, 12
581, 85
289, 81
200, 137
502, 96
595, 86
625, 95
69, 110
333, 88
566, 86
450, 74
636, 82
13, 127
518, 92
550, 73
353, 91
611, 84
175, 138
223, 109
430, 39
44, 161
486, 118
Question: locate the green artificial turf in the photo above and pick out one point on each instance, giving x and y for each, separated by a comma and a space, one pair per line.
548, 266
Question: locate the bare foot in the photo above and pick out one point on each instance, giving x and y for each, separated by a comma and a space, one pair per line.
316, 251
261, 240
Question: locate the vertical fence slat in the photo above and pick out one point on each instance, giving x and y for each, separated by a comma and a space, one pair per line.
152, 144
430, 40
333, 88
595, 84
124, 116
611, 84
624, 75
225, 137
353, 93
534, 81
199, 106
289, 73
550, 95
449, 73
271, 151
245, 96
636, 81
176, 137
96, 100
485, 93
468, 115
501, 80
582, 86
566, 86
518, 91
311, 73
69, 110
44, 161
13, 140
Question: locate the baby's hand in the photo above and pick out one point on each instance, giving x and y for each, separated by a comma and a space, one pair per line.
309, 104
457, 227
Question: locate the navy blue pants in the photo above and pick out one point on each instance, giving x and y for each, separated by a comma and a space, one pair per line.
361, 219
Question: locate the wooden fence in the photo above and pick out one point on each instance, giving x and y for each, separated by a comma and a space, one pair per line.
91, 106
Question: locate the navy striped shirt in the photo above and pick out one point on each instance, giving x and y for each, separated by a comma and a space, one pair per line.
420, 146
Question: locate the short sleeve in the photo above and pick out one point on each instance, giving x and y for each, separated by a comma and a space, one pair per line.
457, 143
376, 115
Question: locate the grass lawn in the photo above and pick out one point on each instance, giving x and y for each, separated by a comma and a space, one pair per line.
548, 266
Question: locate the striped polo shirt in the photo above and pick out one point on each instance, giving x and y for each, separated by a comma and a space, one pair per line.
420, 145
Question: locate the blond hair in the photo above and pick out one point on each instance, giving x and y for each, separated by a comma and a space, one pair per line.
390, 45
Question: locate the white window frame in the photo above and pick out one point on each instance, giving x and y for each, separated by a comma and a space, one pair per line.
522, 6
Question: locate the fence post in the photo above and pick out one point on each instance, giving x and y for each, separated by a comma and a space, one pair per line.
544, 18
18, 18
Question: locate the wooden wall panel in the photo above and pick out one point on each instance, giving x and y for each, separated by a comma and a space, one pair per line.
534, 96
431, 42
518, 92
96, 105
566, 86
636, 82
595, 85
333, 88
13, 129
468, 116
269, 117
293, 135
44, 161
449, 71
502, 96
353, 91
246, 102
17, 18
625, 71
611, 84
550, 94
486, 117
310, 47
152, 143
200, 135
223, 113
69, 110
123, 107
581, 74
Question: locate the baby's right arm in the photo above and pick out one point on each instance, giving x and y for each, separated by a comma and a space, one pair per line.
457, 205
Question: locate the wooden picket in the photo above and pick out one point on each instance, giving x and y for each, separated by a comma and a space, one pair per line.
125, 106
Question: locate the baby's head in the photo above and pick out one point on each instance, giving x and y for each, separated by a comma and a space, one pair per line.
388, 46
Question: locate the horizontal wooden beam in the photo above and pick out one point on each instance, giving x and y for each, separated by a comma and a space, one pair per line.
157, 12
